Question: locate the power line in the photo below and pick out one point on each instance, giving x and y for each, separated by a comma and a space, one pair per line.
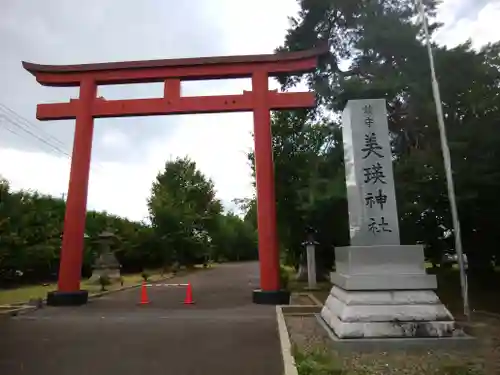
30, 124
12, 117
11, 130
31, 133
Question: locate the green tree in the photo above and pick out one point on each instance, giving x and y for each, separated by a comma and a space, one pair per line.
376, 51
183, 210
186, 225
234, 239
31, 226
310, 185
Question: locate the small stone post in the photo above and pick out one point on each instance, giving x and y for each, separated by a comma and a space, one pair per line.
310, 245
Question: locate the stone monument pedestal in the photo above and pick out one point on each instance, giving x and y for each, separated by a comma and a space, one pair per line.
110, 271
383, 291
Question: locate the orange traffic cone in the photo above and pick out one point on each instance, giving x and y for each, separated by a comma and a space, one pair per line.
144, 294
189, 295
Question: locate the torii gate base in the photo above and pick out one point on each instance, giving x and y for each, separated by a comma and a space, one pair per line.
87, 107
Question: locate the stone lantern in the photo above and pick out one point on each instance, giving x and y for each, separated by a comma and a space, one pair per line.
106, 264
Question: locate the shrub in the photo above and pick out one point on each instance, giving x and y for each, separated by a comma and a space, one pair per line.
316, 363
284, 277
175, 267
145, 275
104, 281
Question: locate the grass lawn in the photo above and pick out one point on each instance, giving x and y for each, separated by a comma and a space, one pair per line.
25, 293
322, 360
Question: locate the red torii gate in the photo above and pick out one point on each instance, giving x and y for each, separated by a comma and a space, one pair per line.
172, 71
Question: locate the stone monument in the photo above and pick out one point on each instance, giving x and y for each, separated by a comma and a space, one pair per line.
380, 287
106, 263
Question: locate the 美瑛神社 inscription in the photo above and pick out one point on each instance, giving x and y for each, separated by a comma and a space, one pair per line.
369, 178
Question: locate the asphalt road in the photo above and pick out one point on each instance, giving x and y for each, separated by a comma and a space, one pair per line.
222, 333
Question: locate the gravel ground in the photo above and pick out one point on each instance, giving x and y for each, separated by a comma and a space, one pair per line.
303, 300
309, 337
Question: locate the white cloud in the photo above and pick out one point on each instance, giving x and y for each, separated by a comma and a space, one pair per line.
35, 170
481, 28
128, 153
115, 139
217, 143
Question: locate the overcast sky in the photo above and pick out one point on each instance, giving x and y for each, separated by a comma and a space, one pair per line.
128, 153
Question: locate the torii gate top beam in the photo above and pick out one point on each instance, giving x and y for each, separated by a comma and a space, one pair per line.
187, 69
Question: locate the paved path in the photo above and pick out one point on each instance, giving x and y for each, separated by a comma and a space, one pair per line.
223, 333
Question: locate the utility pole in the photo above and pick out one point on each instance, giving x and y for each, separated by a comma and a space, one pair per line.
447, 164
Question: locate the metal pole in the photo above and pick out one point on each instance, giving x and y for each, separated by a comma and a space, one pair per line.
447, 164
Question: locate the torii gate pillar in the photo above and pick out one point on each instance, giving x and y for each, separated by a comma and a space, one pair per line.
87, 107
